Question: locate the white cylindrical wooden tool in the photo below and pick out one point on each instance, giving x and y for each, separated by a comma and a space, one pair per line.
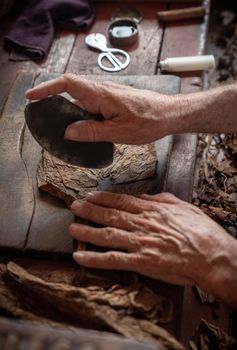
188, 63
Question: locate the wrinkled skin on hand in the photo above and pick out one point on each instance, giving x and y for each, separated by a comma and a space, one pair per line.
134, 116
158, 236
126, 110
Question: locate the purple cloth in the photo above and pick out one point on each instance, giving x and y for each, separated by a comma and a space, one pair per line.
32, 34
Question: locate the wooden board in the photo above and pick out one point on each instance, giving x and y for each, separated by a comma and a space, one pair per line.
15, 187
25, 335
32, 220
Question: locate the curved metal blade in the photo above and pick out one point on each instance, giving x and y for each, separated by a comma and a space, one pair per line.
47, 120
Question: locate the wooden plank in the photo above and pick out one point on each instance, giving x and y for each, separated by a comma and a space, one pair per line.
180, 173
56, 61
15, 189
143, 54
48, 230
25, 335
25, 210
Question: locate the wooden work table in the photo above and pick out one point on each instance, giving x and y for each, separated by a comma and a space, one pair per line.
18, 160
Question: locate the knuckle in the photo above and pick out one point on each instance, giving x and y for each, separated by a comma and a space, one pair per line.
169, 196
112, 258
109, 84
107, 94
91, 130
164, 195
136, 263
111, 216
85, 209
69, 76
164, 213
109, 233
123, 199
135, 241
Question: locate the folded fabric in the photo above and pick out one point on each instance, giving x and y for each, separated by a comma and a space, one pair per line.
31, 35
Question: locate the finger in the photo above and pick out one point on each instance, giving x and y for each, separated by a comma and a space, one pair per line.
105, 216
77, 87
119, 201
110, 130
164, 197
109, 237
105, 130
110, 260
128, 262
91, 130
65, 83
51, 87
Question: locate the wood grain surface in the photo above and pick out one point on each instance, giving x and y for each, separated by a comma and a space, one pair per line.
15, 187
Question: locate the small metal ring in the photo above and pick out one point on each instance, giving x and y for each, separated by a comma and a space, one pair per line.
123, 31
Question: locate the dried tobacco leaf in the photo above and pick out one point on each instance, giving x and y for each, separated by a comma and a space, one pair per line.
210, 337
216, 188
31, 297
131, 172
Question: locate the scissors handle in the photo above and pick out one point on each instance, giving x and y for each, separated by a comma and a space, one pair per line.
116, 63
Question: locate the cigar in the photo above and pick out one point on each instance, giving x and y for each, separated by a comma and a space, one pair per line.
182, 1
187, 13
161, 1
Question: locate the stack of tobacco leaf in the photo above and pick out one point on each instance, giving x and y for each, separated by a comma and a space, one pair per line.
131, 172
208, 337
216, 190
117, 303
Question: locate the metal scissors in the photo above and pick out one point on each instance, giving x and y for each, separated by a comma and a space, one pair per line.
98, 41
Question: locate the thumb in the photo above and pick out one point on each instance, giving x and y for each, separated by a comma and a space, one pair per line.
90, 130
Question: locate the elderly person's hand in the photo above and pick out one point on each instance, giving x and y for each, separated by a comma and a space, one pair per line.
158, 236
132, 116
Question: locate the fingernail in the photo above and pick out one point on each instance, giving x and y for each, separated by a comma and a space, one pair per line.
78, 255
90, 194
71, 134
27, 92
72, 229
75, 205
